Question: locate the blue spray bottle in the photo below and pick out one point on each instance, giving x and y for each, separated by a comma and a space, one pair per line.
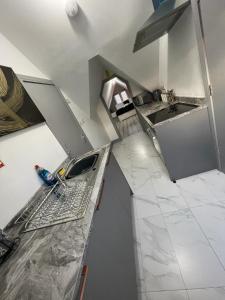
46, 176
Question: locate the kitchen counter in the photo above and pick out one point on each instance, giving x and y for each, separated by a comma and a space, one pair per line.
148, 109
48, 262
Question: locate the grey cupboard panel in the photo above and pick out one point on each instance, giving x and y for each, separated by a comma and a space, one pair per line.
186, 145
110, 254
212, 20
58, 116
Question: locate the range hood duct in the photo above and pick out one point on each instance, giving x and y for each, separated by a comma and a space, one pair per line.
160, 22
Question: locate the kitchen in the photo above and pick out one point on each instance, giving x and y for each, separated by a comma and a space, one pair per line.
65, 83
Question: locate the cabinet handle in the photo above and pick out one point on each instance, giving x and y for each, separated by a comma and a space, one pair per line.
84, 275
109, 156
100, 196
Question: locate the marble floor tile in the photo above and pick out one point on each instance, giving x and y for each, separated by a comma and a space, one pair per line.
138, 146
160, 266
146, 206
212, 221
142, 184
171, 203
177, 247
195, 191
143, 150
207, 294
158, 165
199, 265
143, 296
128, 126
138, 257
168, 195
215, 182
168, 295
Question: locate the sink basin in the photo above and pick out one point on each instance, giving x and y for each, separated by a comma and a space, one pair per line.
170, 112
82, 166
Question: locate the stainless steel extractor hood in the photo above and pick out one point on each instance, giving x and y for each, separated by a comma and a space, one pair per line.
160, 22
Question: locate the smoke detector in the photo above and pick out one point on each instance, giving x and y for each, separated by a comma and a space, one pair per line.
72, 8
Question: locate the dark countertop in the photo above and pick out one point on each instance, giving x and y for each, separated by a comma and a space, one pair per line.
48, 261
148, 109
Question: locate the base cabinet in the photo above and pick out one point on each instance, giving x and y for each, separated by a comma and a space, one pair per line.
110, 254
185, 144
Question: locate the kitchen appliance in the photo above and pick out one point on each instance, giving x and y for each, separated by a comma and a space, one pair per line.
160, 22
164, 96
143, 98
168, 96
157, 95
6, 246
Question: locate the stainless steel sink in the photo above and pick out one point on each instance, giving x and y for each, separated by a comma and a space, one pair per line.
82, 166
67, 200
170, 112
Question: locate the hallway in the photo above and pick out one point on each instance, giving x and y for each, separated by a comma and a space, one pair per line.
180, 228
129, 126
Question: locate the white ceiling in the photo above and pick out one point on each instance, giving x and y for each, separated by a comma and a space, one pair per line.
61, 47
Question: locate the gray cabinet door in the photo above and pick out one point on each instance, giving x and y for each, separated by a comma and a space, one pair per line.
58, 116
110, 254
213, 21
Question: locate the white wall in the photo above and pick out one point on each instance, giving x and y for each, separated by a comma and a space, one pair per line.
21, 150
106, 122
163, 61
142, 66
183, 69
96, 76
10, 56
94, 130
136, 89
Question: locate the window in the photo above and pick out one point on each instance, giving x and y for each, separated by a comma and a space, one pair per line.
124, 96
118, 99
121, 97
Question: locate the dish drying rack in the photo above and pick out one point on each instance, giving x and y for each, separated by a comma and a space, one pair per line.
61, 203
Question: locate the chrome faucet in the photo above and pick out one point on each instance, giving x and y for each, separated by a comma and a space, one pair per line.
61, 179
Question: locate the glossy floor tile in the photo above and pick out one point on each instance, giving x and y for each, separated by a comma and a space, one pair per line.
160, 266
168, 195
199, 265
146, 206
207, 294
196, 191
138, 254
181, 226
174, 295
128, 126
212, 221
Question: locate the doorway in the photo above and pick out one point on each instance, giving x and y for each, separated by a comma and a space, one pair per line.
118, 100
